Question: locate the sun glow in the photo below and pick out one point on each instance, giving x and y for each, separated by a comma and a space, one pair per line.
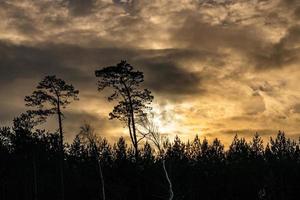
167, 119
161, 118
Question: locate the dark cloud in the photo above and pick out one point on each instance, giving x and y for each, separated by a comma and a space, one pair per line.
297, 13
167, 78
23, 23
289, 3
19, 19
245, 40
264, 87
19, 61
130, 6
77, 64
55, 22
284, 53
292, 38
295, 108
81, 7
195, 34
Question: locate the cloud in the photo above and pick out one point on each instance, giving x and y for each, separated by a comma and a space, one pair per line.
81, 7
179, 80
19, 61
283, 53
78, 63
297, 13
295, 108
254, 105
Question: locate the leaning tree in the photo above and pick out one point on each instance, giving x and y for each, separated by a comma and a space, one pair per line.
50, 97
132, 100
150, 131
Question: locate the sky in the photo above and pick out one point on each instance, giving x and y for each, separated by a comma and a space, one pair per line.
216, 67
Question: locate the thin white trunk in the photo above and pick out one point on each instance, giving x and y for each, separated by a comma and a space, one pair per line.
171, 193
102, 179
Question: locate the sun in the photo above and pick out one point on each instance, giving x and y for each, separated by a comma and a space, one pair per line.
165, 118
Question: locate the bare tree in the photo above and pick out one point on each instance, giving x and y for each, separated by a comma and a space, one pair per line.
50, 97
150, 131
87, 132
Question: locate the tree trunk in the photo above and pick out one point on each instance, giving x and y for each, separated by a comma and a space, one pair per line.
129, 128
97, 157
135, 144
101, 177
133, 137
171, 193
61, 152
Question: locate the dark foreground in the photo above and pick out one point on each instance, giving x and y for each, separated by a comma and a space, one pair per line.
29, 169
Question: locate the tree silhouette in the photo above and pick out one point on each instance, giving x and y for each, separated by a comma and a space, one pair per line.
120, 150
151, 132
239, 149
256, 146
88, 133
282, 147
132, 100
23, 126
50, 97
195, 154
174, 170
245, 170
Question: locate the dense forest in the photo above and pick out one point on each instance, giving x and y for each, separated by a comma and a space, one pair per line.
29, 161
37, 164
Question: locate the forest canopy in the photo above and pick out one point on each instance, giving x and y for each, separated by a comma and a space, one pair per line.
198, 169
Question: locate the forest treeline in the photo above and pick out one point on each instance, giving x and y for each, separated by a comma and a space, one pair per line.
29, 160
38, 165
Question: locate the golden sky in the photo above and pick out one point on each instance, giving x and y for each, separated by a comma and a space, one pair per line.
216, 67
